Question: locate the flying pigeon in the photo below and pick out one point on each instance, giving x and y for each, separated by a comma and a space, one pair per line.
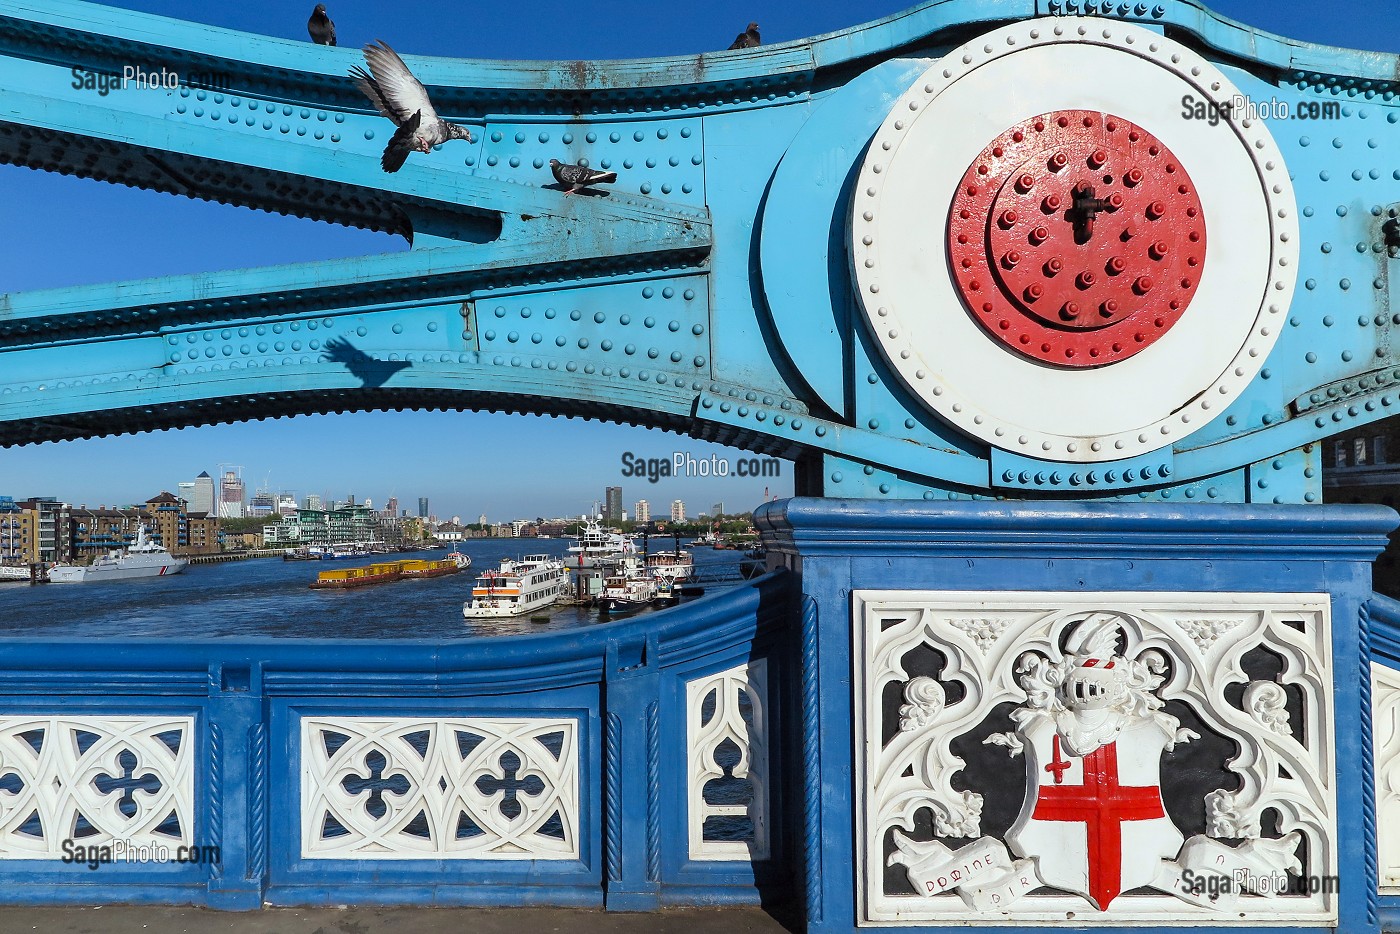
748, 39
320, 26
396, 94
577, 177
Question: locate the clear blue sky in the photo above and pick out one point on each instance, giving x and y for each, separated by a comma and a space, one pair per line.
76, 231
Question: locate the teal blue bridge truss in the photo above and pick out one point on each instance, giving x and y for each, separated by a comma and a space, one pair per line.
1104, 274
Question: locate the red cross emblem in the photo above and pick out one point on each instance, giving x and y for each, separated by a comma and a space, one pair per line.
1103, 806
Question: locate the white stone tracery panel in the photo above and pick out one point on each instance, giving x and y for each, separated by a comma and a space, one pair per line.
715, 713
448, 788
1029, 649
1385, 722
94, 780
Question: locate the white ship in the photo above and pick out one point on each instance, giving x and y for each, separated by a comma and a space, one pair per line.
144, 558
596, 545
674, 566
517, 587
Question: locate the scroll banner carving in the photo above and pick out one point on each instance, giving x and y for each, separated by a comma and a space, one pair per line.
1099, 700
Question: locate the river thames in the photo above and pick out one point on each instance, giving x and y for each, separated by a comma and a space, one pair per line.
269, 597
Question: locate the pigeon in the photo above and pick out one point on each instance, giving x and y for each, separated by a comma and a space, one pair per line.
577, 178
320, 26
748, 39
396, 94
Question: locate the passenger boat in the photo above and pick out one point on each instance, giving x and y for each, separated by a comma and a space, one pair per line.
673, 565
629, 589
144, 558
596, 545
517, 587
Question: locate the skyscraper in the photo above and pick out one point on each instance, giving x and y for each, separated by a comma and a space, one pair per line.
717, 510
612, 504
263, 503
677, 511
642, 511
422, 507
199, 493
312, 501
231, 491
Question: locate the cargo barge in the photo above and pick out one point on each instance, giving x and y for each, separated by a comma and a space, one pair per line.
385, 571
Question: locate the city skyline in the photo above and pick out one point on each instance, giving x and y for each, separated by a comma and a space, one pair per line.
465, 463
447, 472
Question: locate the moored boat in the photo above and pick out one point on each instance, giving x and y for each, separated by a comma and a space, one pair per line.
628, 589
596, 545
144, 558
517, 587
672, 565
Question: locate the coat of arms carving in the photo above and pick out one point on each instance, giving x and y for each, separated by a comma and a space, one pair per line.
1095, 759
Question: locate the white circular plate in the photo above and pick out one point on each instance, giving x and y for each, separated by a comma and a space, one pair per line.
899, 217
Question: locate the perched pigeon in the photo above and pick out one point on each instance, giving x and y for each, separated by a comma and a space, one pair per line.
577, 177
748, 39
320, 26
396, 94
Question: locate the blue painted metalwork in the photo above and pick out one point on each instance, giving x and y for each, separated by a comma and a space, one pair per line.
247, 699
707, 293
1384, 615
845, 545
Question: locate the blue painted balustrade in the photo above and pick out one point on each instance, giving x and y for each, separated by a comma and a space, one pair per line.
586, 768
1385, 707
1257, 626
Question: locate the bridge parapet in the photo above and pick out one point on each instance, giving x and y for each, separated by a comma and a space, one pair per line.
628, 765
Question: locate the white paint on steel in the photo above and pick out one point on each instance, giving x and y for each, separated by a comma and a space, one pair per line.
1193, 372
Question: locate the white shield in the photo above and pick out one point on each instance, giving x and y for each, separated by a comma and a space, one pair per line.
1096, 825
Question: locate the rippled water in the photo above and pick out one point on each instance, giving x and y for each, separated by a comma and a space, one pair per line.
270, 597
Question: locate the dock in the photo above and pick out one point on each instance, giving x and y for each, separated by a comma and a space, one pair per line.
236, 556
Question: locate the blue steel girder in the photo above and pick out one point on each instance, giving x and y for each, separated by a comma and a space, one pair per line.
710, 291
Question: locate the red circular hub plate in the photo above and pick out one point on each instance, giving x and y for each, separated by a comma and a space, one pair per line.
1076, 238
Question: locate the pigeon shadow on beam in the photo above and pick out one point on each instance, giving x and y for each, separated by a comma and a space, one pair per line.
581, 193
372, 373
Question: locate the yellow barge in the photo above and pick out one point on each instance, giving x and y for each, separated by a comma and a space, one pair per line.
385, 571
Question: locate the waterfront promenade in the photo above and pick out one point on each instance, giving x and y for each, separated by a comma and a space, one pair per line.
155, 919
